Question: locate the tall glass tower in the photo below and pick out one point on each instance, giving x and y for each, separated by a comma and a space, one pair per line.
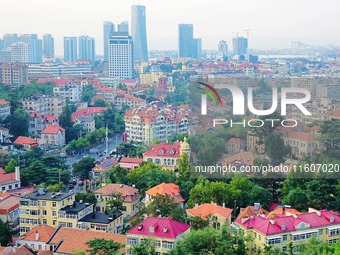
138, 32
48, 45
109, 28
70, 49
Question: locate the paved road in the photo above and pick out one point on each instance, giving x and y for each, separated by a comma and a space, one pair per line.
101, 147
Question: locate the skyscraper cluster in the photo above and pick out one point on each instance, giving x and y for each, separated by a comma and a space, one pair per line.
240, 45
82, 48
188, 46
26, 48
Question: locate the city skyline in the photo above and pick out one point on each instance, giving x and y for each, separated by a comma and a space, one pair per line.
312, 22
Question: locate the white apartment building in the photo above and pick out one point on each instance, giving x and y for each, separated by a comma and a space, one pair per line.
44, 104
72, 92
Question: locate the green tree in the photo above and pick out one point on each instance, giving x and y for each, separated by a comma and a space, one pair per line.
86, 197
10, 168
198, 223
211, 241
276, 149
297, 198
330, 133
162, 205
115, 203
88, 94
83, 167
5, 233
146, 247
17, 123
99, 103
35, 173
101, 246
153, 177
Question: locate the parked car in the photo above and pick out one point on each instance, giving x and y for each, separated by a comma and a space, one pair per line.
71, 186
80, 183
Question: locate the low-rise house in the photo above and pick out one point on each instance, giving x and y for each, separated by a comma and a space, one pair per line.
5, 109
128, 194
9, 181
167, 155
38, 122
63, 240
253, 210
297, 228
9, 211
169, 189
26, 142
216, 214
53, 135
103, 166
302, 144
130, 163
235, 145
87, 122
165, 232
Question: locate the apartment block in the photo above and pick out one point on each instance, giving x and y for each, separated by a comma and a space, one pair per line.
296, 228
5, 109
60, 209
72, 92
44, 104
144, 124
13, 73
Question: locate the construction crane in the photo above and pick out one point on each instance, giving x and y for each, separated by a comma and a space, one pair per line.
248, 30
236, 33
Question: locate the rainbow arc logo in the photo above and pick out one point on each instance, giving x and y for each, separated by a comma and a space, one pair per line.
211, 92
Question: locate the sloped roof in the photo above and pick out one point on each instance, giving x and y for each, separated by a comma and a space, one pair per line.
112, 188
53, 129
45, 232
170, 189
250, 211
281, 211
25, 140
209, 209
163, 227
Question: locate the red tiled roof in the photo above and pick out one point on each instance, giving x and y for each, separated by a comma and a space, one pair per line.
45, 232
124, 189
6, 177
281, 211
25, 140
306, 137
89, 111
236, 140
131, 160
53, 129
209, 209
3, 102
8, 204
35, 115
164, 150
170, 189
291, 223
75, 239
250, 211
173, 228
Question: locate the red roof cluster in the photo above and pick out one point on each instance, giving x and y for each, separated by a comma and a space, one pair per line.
4, 177
164, 150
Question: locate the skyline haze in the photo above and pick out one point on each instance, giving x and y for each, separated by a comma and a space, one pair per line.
276, 24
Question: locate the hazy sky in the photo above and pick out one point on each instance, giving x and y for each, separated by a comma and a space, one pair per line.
276, 23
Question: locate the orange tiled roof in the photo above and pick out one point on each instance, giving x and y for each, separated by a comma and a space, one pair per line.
301, 136
45, 232
112, 188
53, 129
249, 211
209, 209
280, 211
166, 188
75, 239
25, 140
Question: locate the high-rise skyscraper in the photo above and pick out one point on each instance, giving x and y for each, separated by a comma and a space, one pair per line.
2, 44
138, 32
9, 39
240, 45
223, 48
123, 26
86, 46
121, 55
48, 45
109, 28
70, 49
188, 46
35, 45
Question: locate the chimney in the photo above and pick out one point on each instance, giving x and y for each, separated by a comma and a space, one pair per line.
36, 235
17, 173
223, 205
196, 205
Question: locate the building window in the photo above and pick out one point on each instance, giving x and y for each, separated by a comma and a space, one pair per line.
131, 241
54, 204
276, 240
167, 245
284, 248
284, 238
320, 232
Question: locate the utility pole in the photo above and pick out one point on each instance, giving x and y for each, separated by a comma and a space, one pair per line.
107, 142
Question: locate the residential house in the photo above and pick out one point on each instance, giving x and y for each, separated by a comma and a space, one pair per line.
104, 165
216, 214
9, 181
9, 211
60, 209
38, 122
22, 250
252, 210
53, 135
239, 160
297, 228
87, 122
167, 155
169, 189
235, 145
45, 104
26, 142
63, 240
13, 73
278, 212
130, 163
128, 194
72, 92
302, 143
165, 232
5, 109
